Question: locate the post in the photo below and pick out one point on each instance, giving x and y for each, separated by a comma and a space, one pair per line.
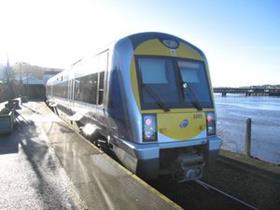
248, 137
27, 84
20, 72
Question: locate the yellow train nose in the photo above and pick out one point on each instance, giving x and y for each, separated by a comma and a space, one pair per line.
181, 126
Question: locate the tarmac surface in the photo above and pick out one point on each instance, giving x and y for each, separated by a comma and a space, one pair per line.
46, 165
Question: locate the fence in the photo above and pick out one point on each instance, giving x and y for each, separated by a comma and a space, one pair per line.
3, 93
32, 91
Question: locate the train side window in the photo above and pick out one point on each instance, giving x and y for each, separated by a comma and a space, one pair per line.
89, 88
77, 89
101, 88
86, 88
93, 90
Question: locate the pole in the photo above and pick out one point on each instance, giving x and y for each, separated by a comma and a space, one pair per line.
248, 137
9, 85
20, 72
27, 83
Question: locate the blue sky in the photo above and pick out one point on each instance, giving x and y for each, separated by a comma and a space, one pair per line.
239, 37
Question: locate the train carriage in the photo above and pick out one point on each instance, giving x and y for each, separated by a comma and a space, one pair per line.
148, 97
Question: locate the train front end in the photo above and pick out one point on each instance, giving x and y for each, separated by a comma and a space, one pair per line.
171, 108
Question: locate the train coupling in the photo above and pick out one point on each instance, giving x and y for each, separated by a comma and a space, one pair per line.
188, 167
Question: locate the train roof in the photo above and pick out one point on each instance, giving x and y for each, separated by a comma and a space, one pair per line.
138, 38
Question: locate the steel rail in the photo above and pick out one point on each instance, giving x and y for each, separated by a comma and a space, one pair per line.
208, 186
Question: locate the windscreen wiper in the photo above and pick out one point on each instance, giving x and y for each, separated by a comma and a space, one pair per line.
193, 99
156, 97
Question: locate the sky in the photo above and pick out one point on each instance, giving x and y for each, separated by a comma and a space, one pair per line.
240, 38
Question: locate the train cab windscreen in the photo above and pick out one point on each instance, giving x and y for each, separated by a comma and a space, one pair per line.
173, 83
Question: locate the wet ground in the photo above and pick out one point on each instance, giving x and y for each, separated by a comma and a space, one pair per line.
46, 165
31, 176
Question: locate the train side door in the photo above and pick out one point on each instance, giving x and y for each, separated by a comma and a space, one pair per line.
101, 92
71, 88
73, 92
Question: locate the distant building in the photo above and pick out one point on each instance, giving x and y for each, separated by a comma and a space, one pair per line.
32, 79
48, 74
24, 70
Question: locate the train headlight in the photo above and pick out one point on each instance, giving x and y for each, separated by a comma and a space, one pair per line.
211, 123
171, 44
149, 127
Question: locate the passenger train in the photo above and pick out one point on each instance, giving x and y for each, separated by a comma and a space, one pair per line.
148, 97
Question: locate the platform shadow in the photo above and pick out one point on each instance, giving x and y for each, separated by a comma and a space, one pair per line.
37, 152
9, 142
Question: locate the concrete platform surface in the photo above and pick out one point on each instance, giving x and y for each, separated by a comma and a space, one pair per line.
100, 181
31, 176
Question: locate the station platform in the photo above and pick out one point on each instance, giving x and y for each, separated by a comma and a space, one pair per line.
100, 181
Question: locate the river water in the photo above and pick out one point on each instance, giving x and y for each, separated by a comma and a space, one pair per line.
232, 112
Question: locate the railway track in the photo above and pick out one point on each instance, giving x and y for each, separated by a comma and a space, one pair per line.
210, 187
199, 195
